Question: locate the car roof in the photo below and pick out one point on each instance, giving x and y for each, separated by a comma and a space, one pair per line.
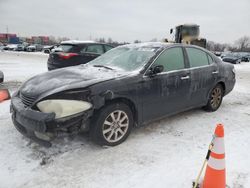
161, 45
82, 42
77, 42
148, 44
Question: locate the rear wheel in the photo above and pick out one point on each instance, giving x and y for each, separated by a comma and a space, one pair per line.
215, 98
112, 124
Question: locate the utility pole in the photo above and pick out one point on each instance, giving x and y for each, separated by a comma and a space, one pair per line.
7, 33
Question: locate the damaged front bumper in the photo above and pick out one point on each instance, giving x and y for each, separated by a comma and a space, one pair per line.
43, 127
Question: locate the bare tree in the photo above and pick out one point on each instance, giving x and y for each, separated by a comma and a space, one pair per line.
102, 40
60, 39
110, 41
243, 43
137, 41
214, 46
210, 45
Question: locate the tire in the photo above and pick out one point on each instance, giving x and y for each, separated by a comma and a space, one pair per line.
215, 98
112, 124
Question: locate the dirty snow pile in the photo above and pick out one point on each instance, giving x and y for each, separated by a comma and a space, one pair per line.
166, 153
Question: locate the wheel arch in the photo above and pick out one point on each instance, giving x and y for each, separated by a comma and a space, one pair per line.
126, 101
222, 83
223, 86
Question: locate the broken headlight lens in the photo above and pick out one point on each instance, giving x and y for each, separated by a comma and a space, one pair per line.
63, 108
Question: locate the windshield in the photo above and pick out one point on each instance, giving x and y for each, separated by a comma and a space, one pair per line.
125, 58
190, 31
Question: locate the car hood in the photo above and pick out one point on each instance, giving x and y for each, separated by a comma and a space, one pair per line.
63, 79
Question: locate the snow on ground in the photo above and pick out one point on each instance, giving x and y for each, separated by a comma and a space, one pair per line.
166, 153
19, 66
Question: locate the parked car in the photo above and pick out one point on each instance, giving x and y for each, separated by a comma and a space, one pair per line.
1, 77
10, 47
71, 53
20, 47
48, 49
35, 48
224, 54
217, 53
232, 58
128, 86
245, 56
25, 46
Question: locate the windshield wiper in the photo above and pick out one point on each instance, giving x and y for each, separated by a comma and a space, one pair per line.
103, 67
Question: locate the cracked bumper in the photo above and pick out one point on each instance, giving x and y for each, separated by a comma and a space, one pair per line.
30, 122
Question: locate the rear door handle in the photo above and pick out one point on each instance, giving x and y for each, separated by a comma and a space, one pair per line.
215, 72
185, 77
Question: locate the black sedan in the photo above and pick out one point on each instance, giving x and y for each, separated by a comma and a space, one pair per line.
71, 53
128, 86
232, 58
245, 57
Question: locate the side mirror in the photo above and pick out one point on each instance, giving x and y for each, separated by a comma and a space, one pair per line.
171, 30
158, 69
155, 70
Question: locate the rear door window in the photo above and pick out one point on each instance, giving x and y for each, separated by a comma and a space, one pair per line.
197, 57
171, 59
95, 48
107, 47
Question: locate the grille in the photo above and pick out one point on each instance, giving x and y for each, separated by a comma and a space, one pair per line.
27, 100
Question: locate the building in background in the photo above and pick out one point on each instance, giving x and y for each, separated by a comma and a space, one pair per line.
44, 40
9, 38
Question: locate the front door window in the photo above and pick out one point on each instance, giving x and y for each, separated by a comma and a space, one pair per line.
171, 59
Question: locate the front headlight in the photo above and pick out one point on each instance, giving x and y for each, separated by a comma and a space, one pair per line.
63, 108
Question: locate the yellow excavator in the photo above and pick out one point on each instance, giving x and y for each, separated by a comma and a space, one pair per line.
188, 34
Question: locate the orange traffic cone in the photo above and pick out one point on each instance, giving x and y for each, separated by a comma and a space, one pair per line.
215, 175
4, 95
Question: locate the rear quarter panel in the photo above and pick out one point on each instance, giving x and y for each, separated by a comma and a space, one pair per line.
227, 76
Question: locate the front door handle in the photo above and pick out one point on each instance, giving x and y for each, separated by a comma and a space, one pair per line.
215, 72
185, 77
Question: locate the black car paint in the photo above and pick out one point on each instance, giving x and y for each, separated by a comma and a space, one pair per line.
231, 59
55, 61
245, 58
150, 96
1, 77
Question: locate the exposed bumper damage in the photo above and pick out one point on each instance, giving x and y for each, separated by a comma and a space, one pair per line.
43, 127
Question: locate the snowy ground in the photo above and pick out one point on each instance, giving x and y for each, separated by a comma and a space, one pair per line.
167, 153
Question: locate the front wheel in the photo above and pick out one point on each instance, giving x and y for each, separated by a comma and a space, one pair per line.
215, 98
112, 124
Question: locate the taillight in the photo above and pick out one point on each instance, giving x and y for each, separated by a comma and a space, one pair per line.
67, 55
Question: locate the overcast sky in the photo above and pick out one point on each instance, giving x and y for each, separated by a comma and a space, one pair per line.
125, 20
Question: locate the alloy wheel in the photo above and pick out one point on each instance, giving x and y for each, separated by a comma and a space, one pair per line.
115, 126
216, 97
